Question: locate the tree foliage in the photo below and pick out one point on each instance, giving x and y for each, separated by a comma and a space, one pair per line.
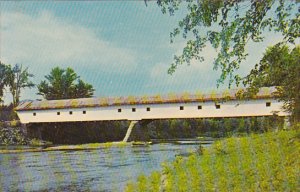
61, 84
18, 79
229, 25
279, 67
3, 79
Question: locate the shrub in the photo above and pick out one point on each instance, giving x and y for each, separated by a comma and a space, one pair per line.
12, 136
15, 123
38, 142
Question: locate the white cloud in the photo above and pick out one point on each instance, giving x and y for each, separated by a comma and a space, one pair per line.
44, 41
202, 72
47, 40
196, 69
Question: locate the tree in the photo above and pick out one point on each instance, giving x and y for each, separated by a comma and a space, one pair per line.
60, 84
279, 67
3, 79
83, 89
229, 25
18, 79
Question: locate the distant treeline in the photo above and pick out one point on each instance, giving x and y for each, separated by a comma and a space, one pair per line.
106, 131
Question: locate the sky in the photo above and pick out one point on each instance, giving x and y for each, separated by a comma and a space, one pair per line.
122, 48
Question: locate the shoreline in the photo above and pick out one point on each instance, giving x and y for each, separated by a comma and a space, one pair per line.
88, 146
91, 146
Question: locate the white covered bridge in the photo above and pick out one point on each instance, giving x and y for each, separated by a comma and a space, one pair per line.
135, 109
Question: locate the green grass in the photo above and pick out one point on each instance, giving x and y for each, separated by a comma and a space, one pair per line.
261, 162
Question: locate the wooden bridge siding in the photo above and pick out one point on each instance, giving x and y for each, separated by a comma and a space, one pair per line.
157, 111
227, 109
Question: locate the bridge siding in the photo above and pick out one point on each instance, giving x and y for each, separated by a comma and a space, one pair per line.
233, 108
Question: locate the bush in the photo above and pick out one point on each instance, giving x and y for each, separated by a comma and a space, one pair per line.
296, 126
15, 123
38, 142
12, 136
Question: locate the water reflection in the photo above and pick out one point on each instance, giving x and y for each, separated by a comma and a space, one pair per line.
107, 169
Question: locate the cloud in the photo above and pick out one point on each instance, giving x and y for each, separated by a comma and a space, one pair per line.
186, 74
201, 75
44, 40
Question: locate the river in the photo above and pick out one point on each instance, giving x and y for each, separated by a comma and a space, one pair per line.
104, 169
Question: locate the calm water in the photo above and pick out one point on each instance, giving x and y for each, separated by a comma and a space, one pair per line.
107, 169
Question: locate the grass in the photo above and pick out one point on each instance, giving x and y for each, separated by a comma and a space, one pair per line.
37, 142
261, 162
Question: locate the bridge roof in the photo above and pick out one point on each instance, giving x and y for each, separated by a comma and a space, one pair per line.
131, 100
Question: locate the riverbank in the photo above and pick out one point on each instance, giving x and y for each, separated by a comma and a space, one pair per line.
91, 146
260, 162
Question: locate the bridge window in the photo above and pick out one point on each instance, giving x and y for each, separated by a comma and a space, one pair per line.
268, 104
218, 106
199, 107
83, 112
58, 113
71, 112
119, 110
133, 109
34, 114
181, 108
148, 108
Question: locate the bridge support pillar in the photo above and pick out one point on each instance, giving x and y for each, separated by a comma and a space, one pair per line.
129, 130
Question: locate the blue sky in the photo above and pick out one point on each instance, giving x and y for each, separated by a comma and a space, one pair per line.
121, 47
